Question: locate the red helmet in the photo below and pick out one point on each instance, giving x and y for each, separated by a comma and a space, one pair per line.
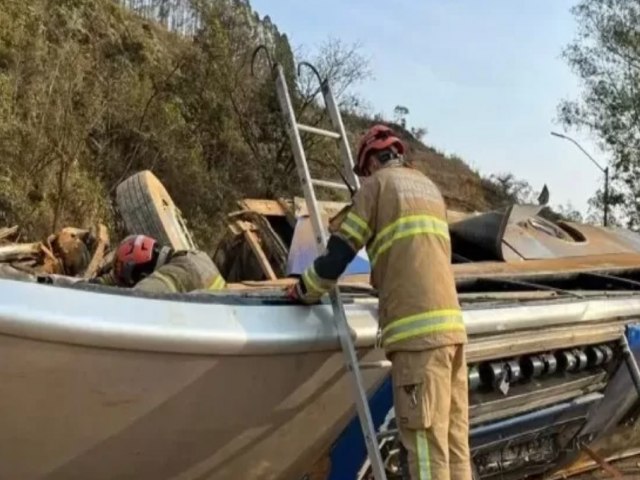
137, 256
378, 137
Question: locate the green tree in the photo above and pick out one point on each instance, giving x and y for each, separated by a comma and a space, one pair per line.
568, 212
606, 57
91, 92
506, 189
401, 113
617, 208
419, 133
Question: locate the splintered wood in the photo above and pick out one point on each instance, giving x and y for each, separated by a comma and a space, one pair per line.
19, 251
71, 251
100, 250
7, 233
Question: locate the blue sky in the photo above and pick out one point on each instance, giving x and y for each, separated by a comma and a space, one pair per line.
483, 77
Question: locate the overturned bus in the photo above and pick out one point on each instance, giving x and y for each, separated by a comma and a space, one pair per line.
100, 382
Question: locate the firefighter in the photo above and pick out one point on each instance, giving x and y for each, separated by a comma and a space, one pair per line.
399, 215
144, 265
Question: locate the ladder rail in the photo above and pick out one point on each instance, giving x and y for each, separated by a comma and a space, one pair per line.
340, 319
362, 402
301, 160
632, 364
338, 125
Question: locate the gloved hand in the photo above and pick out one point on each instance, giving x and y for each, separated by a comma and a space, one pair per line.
293, 293
298, 293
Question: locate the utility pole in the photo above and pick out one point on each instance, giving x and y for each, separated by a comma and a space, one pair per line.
604, 170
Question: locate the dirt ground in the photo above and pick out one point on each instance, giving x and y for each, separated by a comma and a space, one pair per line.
630, 469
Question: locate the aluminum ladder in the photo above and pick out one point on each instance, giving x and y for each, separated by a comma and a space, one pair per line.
630, 360
293, 130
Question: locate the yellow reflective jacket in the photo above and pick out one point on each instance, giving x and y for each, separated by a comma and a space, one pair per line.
185, 272
400, 216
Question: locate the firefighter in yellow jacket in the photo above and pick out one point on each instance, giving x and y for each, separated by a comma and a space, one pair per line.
400, 216
144, 265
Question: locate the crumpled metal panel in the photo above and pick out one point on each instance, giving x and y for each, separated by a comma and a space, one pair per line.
610, 436
483, 231
620, 395
518, 232
531, 240
303, 252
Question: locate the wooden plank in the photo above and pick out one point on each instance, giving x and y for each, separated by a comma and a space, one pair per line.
287, 206
98, 253
607, 467
254, 243
18, 251
263, 207
51, 263
586, 464
245, 226
327, 208
234, 228
7, 232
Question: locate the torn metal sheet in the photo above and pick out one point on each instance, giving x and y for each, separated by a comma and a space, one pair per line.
519, 233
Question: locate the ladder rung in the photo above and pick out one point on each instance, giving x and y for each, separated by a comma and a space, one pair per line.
387, 433
318, 131
378, 364
328, 184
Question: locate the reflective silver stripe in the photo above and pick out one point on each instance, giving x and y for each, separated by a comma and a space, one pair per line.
437, 321
311, 280
355, 230
315, 283
217, 284
406, 227
164, 279
422, 450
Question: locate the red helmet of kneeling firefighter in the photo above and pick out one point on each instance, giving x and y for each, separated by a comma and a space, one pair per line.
142, 263
137, 257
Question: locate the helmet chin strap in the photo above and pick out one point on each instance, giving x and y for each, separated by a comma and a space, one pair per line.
386, 159
398, 160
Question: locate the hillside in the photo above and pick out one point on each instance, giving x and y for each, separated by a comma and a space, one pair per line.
91, 92
462, 187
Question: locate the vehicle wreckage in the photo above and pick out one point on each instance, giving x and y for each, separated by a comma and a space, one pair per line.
241, 384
